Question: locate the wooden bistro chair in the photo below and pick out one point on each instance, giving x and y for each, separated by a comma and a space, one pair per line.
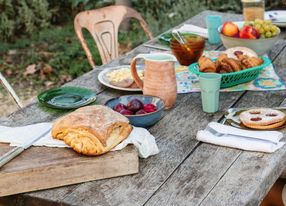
10, 90
103, 25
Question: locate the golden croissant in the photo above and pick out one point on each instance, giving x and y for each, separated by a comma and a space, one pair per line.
225, 64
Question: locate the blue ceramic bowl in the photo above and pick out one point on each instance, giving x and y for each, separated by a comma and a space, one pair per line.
140, 120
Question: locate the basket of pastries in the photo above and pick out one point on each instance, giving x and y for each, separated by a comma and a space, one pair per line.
237, 65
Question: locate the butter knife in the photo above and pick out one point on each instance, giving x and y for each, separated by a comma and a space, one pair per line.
18, 150
157, 47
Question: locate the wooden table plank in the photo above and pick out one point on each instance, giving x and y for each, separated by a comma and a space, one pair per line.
43, 167
156, 172
195, 21
197, 176
244, 171
122, 61
194, 180
242, 185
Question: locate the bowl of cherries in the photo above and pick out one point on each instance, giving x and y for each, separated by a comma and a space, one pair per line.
141, 110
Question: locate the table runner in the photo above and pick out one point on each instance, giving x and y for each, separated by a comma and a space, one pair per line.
268, 80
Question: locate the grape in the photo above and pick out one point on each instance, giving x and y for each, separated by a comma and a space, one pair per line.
273, 28
275, 33
268, 21
265, 28
257, 26
258, 21
268, 34
261, 30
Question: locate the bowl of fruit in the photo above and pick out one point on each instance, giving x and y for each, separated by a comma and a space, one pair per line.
141, 110
259, 35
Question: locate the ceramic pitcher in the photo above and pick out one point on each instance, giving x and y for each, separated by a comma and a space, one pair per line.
159, 76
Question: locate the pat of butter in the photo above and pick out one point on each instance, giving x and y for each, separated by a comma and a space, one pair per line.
122, 74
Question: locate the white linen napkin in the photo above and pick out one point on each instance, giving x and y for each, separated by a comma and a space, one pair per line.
18, 136
194, 29
255, 140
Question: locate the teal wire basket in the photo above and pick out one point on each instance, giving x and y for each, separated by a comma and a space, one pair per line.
235, 78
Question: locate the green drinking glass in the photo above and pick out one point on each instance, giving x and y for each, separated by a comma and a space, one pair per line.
210, 85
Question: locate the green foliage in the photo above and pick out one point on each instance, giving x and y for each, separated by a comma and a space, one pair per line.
90, 4
28, 16
235, 6
25, 16
161, 15
56, 45
224, 5
7, 24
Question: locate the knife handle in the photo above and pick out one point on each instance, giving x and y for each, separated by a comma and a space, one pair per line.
10, 155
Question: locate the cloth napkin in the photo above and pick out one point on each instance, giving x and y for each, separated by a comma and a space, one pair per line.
255, 140
18, 136
194, 29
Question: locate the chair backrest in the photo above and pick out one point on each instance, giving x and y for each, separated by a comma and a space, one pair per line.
103, 25
10, 90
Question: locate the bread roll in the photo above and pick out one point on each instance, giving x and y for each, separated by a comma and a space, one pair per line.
92, 130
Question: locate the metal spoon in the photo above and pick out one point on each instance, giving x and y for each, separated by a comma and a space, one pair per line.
176, 34
181, 39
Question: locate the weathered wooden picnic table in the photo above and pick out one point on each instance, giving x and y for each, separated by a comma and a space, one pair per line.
185, 172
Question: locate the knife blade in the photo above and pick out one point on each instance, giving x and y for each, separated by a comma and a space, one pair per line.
157, 47
18, 150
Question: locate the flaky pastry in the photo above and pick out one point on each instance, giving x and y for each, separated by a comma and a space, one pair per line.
92, 130
206, 64
226, 64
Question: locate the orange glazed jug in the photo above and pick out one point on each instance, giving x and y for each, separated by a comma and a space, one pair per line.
159, 76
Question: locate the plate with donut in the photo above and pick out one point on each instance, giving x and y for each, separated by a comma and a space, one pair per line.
256, 118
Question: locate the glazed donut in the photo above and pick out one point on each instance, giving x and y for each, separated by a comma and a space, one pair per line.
262, 118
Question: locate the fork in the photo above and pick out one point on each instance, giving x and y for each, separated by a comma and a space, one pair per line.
220, 134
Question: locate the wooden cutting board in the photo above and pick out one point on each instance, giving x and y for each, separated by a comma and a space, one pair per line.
43, 167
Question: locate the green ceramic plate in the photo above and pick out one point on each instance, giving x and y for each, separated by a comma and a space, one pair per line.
67, 97
166, 38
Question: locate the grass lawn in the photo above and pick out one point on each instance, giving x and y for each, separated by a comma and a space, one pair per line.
51, 58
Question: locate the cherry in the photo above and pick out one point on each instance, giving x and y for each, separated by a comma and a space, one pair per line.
126, 112
150, 108
118, 107
134, 105
141, 111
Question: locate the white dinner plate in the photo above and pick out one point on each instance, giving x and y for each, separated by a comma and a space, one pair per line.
278, 17
104, 80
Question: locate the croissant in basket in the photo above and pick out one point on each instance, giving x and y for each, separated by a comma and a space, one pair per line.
225, 64
92, 130
206, 64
